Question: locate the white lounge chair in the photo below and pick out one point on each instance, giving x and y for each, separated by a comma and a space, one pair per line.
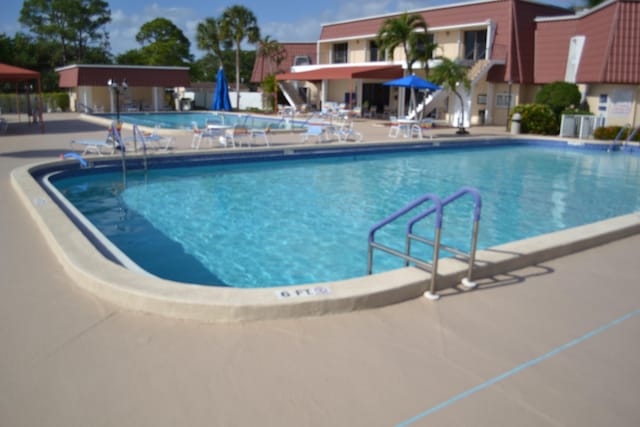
108, 146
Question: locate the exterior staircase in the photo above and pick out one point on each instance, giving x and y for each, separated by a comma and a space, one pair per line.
479, 69
291, 94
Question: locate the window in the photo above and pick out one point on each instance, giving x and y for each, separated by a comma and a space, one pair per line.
374, 52
502, 100
340, 53
475, 45
422, 42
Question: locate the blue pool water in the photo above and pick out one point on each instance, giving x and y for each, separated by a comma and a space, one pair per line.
183, 120
305, 221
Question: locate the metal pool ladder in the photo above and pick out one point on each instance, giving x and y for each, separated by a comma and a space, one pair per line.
437, 209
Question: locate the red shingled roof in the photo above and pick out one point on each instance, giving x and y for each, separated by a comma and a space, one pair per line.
342, 73
263, 67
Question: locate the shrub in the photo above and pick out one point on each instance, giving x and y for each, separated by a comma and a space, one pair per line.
57, 100
609, 133
538, 119
559, 96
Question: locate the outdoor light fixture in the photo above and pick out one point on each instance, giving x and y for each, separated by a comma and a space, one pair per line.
113, 84
509, 104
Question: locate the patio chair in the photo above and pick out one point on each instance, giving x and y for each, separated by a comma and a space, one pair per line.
263, 132
160, 142
346, 131
200, 134
394, 127
314, 131
237, 133
415, 131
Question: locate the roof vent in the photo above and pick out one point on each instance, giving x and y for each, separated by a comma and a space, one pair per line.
301, 60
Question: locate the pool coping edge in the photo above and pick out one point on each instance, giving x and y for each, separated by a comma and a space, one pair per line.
91, 271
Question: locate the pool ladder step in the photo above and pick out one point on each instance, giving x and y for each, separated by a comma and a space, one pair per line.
436, 208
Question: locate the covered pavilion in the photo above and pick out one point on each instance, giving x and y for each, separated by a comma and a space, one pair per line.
13, 74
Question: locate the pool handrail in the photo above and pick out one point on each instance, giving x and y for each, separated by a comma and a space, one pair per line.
78, 157
119, 143
616, 140
632, 134
467, 281
433, 266
138, 136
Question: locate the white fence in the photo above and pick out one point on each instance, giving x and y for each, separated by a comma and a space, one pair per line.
247, 100
579, 125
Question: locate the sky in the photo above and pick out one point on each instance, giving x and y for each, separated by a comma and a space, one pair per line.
282, 20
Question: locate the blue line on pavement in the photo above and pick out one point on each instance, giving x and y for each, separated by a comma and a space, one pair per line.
519, 368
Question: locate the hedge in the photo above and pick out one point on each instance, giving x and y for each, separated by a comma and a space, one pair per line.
609, 133
54, 101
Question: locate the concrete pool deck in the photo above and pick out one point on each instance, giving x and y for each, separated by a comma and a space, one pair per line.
70, 358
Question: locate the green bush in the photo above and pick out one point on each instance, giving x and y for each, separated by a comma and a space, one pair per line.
559, 96
537, 118
57, 100
609, 133
53, 101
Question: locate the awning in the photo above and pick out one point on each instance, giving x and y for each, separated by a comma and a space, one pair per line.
345, 73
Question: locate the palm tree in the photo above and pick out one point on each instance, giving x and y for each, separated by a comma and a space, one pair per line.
398, 31
237, 24
271, 52
450, 75
421, 47
208, 37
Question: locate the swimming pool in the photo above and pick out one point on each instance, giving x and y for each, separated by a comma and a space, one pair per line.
255, 223
182, 120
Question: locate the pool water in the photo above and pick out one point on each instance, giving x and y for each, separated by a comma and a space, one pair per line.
307, 221
183, 120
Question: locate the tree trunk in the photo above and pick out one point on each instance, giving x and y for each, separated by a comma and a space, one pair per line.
461, 130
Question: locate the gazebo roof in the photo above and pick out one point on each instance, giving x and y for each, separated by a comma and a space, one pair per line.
10, 73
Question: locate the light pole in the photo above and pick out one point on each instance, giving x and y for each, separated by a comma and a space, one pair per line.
28, 88
509, 104
116, 88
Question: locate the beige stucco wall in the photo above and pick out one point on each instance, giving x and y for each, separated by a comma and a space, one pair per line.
615, 113
448, 43
337, 89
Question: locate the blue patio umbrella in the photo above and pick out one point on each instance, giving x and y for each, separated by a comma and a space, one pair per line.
221, 96
412, 82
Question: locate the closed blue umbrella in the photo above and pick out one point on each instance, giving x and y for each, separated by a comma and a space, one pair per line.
221, 97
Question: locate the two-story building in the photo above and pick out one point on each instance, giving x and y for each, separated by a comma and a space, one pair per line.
512, 48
